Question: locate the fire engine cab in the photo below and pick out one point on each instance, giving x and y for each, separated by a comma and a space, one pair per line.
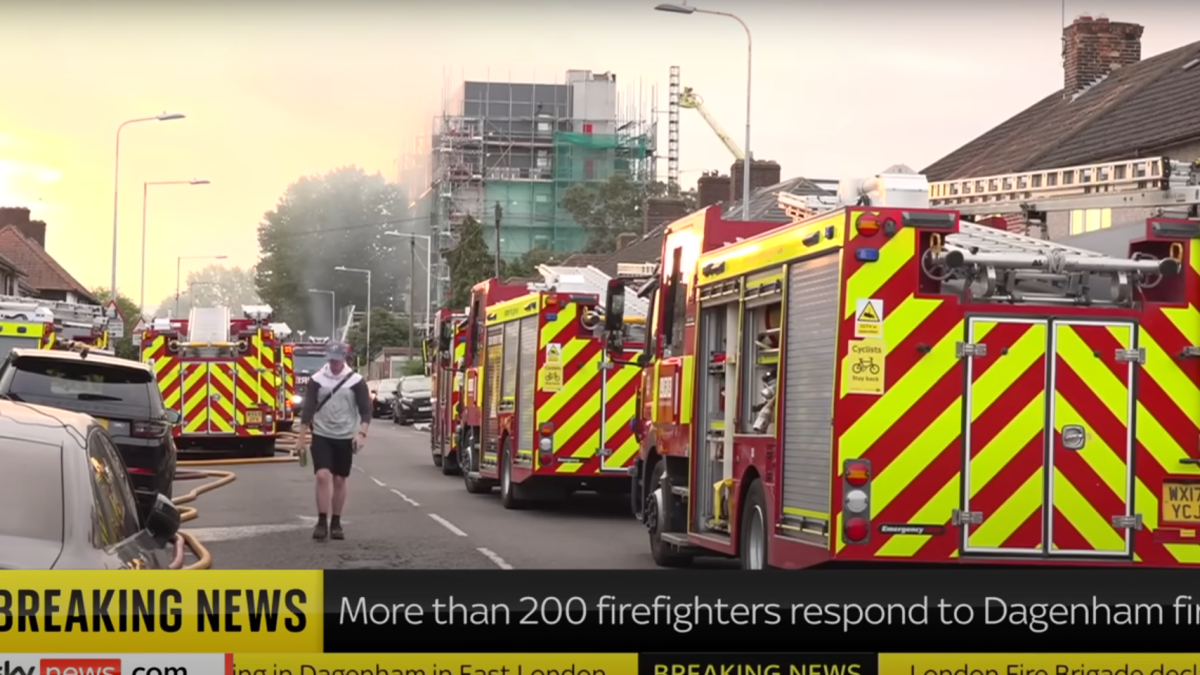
44, 324
888, 381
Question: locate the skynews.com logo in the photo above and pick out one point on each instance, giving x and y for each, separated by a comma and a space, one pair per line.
86, 666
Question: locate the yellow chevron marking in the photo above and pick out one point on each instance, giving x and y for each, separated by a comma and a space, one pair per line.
1185, 554
585, 410
569, 468
221, 404
620, 379
197, 405
899, 323
571, 388
991, 460
869, 278
1167, 372
1158, 441
903, 395
167, 375
552, 330
999, 526
1096, 529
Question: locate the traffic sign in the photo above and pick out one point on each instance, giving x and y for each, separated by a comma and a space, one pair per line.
116, 323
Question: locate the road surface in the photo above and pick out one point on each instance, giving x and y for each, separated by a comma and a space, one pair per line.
403, 513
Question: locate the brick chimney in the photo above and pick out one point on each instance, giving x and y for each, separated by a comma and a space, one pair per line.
1094, 47
711, 188
626, 238
18, 217
659, 211
762, 174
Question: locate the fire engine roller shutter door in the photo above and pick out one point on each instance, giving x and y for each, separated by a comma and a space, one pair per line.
525, 398
493, 359
508, 386
808, 395
195, 396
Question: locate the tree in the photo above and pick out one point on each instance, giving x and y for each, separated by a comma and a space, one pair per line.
387, 330
412, 367
607, 209
470, 262
213, 286
125, 347
322, 222
526, 266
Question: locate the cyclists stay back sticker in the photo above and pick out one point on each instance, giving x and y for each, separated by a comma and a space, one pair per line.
862, 368
868, 318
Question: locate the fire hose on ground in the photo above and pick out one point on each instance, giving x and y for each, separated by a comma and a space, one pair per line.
186, 541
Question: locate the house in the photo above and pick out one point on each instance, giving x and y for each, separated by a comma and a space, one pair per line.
1113, 106
23, 245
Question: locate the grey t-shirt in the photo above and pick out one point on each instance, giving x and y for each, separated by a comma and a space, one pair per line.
342, 414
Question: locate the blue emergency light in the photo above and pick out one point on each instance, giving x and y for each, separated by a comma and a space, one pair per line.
867, 255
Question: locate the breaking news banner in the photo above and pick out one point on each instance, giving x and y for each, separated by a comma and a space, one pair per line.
881, 610
161, 611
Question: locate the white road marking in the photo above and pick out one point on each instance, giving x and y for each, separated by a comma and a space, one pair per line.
405, 497
378, 482
494, 557
359, 468
448, 525
234, 532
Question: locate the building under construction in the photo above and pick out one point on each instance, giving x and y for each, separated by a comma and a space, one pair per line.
522, 146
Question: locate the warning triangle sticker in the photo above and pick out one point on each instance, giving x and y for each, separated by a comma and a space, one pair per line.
868, 313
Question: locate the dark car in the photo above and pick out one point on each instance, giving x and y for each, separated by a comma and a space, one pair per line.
384, 393
413, 400
66, 501
121, 394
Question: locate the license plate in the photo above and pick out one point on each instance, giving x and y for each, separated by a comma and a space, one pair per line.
425, 409
1181, 502
254, 417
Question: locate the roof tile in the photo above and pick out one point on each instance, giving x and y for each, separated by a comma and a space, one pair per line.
44, 272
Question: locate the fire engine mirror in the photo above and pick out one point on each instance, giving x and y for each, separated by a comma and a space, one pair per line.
1074, 437
614, 307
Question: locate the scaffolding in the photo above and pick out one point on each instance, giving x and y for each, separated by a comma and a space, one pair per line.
522, 146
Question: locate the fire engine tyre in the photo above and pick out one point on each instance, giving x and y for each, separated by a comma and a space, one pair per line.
508, 496
663, 553
438, 461
450, 465
475, 486
752, 531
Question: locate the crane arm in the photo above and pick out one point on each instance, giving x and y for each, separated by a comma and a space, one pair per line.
690, 99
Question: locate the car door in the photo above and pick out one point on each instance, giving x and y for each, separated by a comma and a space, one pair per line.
115, 528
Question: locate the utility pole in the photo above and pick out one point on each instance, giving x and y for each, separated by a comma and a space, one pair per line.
499, 213
412, 285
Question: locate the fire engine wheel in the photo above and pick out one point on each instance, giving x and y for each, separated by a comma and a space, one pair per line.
450, 465
752, 533
438, 461
475, 486
663, 553
508, 497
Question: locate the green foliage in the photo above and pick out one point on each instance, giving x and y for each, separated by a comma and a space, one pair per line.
213, 286
387, 330
605, 210
413, 367
470, 262
527, 265
322, 222
125, 347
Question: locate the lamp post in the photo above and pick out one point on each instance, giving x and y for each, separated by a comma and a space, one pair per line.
145, 198
428, 268
688, 9
356, 270
179, 270
332, 311
164, 117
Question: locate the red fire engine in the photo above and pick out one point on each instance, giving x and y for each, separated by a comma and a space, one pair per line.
445, 371
891, 382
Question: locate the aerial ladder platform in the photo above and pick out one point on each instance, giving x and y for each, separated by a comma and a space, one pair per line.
693, 101
1001, 266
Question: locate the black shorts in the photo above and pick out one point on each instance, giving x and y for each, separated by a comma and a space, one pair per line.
335, 455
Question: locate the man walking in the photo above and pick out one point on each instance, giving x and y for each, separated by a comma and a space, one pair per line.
336, 415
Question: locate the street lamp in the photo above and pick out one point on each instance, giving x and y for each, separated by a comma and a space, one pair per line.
332, 311
164, 117
428, 268
179, 269
688, 9
145, 196
356, 270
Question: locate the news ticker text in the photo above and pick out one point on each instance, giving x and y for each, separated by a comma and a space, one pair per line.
692, 663
502, 611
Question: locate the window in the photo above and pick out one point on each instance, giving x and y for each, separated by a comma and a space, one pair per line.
760, 358
512, 349
477, 331
1090, 220
114, 518
676, 306
46, 378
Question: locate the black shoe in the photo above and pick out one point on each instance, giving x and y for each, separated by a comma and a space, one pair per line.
321, 532
335, 532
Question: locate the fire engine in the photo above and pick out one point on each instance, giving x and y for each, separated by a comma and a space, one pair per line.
285, 378
42, 324
446, 373
890, 382
219, 372
546, 414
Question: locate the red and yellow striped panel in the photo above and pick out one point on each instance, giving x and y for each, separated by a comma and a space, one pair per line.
460, 353
265, 343
222, 383
166, 371
1038, 378
575, 408
194, 375
287, 370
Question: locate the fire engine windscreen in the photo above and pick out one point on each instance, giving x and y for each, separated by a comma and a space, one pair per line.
307, 363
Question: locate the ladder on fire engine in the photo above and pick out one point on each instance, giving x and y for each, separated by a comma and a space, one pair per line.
34, 309
282, 330
208, 326
1001, 266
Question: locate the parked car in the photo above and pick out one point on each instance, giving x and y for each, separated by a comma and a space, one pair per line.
120, 394
413, 400
385, 393
66, 501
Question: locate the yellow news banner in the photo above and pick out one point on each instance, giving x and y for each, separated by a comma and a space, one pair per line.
1038, 664
439, 664
162, 611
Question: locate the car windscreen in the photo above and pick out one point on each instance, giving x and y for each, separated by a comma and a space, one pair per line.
307, 363
388, 387
416, 386
41, 379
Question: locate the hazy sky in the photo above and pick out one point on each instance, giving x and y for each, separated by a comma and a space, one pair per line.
275, 90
